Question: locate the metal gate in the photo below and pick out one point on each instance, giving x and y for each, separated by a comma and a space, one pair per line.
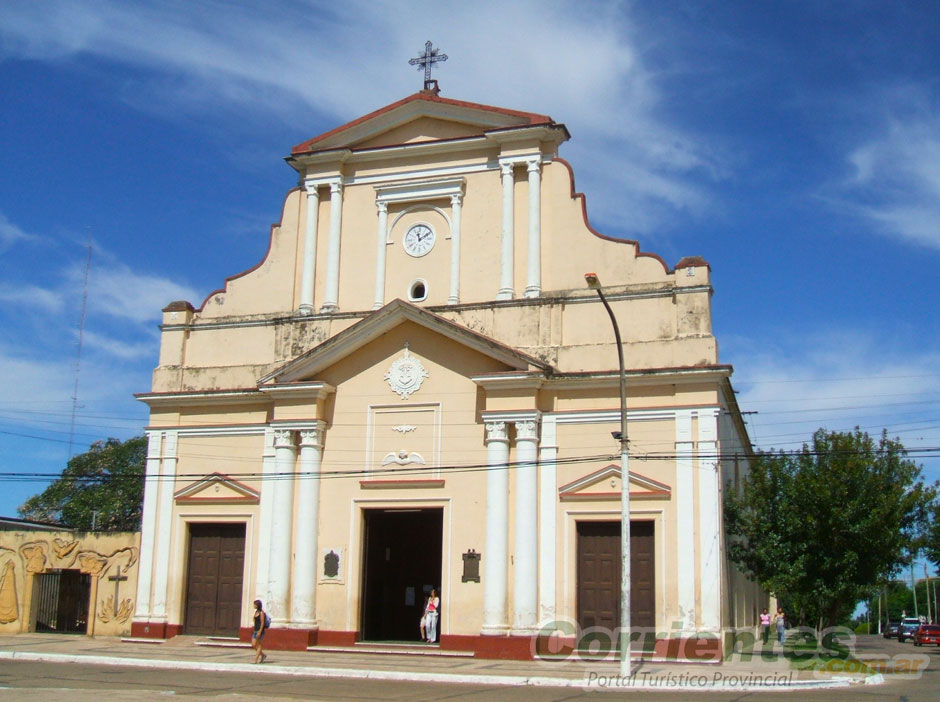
63, 601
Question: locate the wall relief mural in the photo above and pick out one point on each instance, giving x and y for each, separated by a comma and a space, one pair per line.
111, 567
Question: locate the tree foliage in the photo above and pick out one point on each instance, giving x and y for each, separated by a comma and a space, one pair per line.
102, 488
824, 527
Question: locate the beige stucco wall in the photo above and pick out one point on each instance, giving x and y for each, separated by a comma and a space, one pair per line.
250, 328
26, 555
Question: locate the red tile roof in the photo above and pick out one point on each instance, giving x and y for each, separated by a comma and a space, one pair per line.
527, 118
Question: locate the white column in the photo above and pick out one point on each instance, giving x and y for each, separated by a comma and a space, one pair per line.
164, 527
525, 591
330, 303
506, 264
304, 602
382, 247
709, 496
533, 286
148, 527
685, 524
279, 567
310, 250
496, 548
455, 203
266, 508
548, 502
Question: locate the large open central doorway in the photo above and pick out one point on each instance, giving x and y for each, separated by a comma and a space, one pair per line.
402, 562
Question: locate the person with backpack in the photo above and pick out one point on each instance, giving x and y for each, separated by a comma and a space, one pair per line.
262, 621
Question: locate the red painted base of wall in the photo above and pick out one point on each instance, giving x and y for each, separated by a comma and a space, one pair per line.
697, 649
155, 630
512, 648
337, 638
283, 639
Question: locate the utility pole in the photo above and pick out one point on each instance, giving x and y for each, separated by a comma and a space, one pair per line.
914, 588
930, 612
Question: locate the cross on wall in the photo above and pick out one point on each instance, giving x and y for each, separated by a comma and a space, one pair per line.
117, 579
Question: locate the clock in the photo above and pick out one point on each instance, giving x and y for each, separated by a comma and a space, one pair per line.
419, 240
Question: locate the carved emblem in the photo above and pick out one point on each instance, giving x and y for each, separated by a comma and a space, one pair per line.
331, 564
406, 374
403, 458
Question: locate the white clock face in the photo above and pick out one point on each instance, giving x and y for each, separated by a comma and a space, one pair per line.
419, 240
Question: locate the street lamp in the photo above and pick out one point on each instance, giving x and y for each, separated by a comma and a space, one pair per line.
595, 284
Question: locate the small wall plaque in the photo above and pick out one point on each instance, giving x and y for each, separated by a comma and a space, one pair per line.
471, 567
331, 565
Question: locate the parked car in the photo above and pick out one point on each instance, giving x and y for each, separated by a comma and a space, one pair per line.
891, 630
927, 634
907, 628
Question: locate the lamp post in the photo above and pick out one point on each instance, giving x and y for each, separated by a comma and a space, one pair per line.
595, 284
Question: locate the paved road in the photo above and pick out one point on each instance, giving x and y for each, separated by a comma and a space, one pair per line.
21, 680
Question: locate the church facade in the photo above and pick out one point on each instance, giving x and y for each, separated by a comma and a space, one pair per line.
416, 389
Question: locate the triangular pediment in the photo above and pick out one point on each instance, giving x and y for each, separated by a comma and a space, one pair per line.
218, 489
423, 116
605, 484
398, 312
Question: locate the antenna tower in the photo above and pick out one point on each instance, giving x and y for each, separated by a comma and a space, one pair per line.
78, 358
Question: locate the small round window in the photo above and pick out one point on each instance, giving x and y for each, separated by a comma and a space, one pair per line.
418, 291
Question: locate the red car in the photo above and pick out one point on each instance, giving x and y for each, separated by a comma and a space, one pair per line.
927, 634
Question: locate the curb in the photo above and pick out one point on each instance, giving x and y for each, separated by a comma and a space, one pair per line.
416, 676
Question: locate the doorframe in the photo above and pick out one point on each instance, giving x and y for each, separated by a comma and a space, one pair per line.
570, 556
179, 556
355, 581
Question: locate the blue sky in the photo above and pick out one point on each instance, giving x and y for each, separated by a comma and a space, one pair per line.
794, 145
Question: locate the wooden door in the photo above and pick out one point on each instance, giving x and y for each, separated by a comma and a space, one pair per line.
599, 575
214, 581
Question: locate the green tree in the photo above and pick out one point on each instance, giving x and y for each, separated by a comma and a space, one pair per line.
824, 527
101, 488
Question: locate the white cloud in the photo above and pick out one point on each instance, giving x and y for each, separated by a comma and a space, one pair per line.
338, 61
10, 234
895, 182
32, 298
837, 380
121, 349
116, 290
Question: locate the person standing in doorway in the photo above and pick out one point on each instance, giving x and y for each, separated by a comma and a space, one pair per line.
431, 611
764, 626
781, 623
261, 623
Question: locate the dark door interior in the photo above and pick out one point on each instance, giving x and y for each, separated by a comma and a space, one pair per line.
214, 582
63, 601
402, 563
599, 575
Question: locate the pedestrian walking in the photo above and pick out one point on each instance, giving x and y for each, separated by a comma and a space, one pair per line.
764, 625
261, 623
781, 624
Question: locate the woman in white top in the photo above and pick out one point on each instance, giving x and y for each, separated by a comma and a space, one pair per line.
429, 618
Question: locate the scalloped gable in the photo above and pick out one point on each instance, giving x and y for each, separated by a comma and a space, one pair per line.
604, 484
381, 321
422, 116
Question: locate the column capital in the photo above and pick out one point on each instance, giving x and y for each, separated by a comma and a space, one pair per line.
497, 431
381, 206
456, 199
312, 436
505, 168
527, 429
312, 187
336, 186
533, 165
283, 438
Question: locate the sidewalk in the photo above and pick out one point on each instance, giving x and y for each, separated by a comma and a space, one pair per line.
417, 664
